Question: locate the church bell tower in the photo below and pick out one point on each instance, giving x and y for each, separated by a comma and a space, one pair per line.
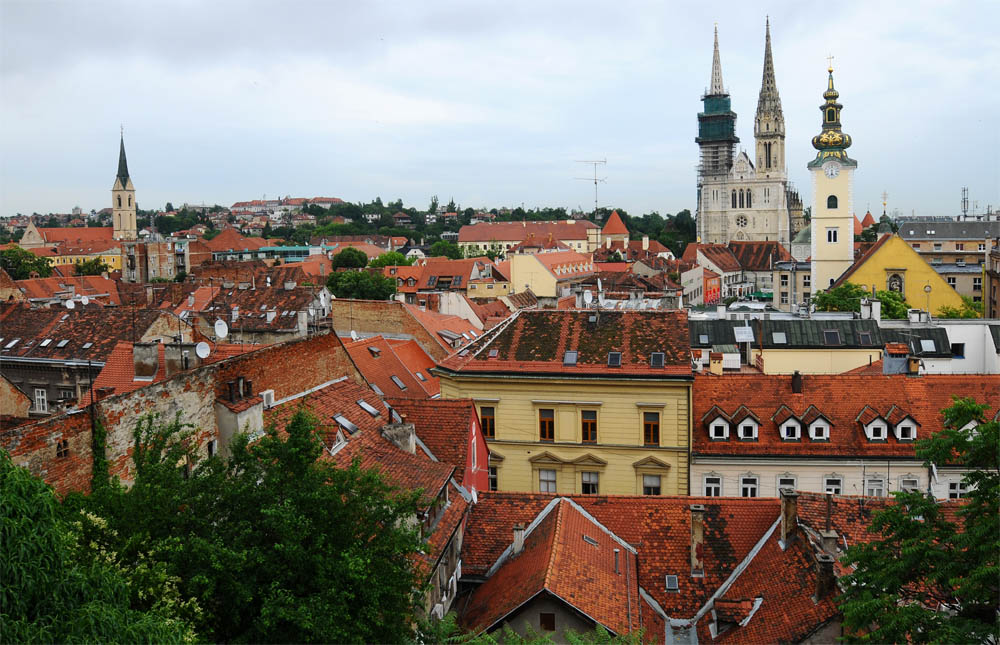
833, 188
123, 201
769, 124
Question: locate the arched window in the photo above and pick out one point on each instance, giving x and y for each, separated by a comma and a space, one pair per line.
119, 201
734, 199
741, 198
831, 201
831, 115
130, 201
749, 205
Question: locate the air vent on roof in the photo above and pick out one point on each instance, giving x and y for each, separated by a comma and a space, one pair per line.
779, 338
375, 351
345, 423
656, 359
399, 383
671, 582
614, 359
62, 343
569, 358
368, 408
927, 345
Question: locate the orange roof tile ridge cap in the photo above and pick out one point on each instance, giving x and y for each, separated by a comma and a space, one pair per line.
506, 554
556, 546
738, 571
597, 523
496, 331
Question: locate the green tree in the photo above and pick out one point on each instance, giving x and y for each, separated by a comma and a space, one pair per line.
275, 543
361, 285
451, 207
433, 207
446, 249
893, 305
391, 259
93, 266
846, 297
53, 591
21, 263
169, 207
929, 576
350, 258
969, 309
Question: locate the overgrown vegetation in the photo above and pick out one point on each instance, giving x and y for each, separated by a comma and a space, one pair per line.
848, 297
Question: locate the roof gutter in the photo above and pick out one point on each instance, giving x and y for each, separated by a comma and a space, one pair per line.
62, 362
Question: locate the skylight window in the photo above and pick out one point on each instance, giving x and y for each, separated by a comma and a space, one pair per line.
420, 376
656, 359
831, 337
779, 338
703, 339
45, 343
345, 423
375, 351
474, 334
464, 352
368, 408
671, 582
589, 540
465, 336
865, 338
378, 390
927, 345
569, 358
494, 353
614, 359
62, 343
398, 382
11, 343
88, 345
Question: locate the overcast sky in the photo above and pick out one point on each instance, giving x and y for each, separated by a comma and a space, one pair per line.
489, 103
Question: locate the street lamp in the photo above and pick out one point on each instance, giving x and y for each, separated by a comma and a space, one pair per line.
927, 290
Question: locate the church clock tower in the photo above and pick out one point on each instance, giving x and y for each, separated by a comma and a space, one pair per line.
123, 201
832, 214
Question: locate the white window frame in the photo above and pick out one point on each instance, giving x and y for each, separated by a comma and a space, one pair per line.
745, 481
744, 423
595, 476
777, 481
791, 423
906, 423
957, 489
827, 479
876, 484
659, 484
41, 400
705, 484
870, 430
904, 482
719, 422
544, 483
816, 426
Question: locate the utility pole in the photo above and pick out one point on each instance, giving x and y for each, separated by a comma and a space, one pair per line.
595, 178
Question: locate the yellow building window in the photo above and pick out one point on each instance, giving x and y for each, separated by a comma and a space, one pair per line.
487, 417
651, 428
546, 425
588, 426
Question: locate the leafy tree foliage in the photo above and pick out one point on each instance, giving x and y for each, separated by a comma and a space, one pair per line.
273, 543
94, 266
848, 297
447, 249
447, 631
350, 258
55, 592
926, 578
21, 263
361, 285
969, 309
391, 259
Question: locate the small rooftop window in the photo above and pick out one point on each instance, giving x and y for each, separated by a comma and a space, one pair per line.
465, 336
375, 351
45, 343
345, 423
474, 334
378, 390
88, 345
494, 353
703, 339
865, 338
831, 337
779, 338
927, 345
614, 359
62, 343
656, 359
671, 582
368, 408
589, 540
64, 317
569, 358
420, 376
11, 343
398, 382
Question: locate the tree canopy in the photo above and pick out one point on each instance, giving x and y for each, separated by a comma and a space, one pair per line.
20, 263
443, 248
848, 297
362, 285
270, 544
969, 309
391, 259
93, 266
349, 258
929, 576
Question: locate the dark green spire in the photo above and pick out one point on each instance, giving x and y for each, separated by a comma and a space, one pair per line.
122, 164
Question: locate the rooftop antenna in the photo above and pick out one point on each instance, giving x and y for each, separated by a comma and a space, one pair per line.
595, 178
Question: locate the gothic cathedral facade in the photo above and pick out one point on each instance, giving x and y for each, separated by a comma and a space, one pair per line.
739, 198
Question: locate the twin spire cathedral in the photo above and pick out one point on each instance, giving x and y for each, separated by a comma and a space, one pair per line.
740, 199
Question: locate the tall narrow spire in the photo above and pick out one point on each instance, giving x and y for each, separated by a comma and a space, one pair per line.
717, 87
768, 101
122, 163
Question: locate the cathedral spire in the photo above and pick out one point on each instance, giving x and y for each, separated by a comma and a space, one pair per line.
716, 88
768, 101
122, 163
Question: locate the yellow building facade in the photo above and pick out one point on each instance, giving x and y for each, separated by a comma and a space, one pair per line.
574, 406
893, 265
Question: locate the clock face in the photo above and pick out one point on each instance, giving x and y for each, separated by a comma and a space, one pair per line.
831, 169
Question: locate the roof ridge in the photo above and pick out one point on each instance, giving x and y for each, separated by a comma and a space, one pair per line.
547, 581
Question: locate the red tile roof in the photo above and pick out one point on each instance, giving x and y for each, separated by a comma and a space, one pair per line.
444, 425
868, 220
467, 269
614, 225
413, 356
721, 256
565, 265
95, 287
518, 231
377, 361
858, 228
76, 235
835, 397
440, 326
759, 256
119, 368
557, 559
536, 341
231, 240
531, 243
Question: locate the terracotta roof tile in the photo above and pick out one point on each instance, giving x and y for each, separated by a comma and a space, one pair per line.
119, 369
444, 425
76, 234
614, 225
509, 231
378, 362
759, 256
95, 287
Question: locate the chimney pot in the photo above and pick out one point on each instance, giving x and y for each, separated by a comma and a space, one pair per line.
789, 515
825, 580
797, 382
518, 545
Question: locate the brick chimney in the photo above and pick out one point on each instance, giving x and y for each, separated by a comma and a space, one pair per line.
403, 435
145, 359
518, 544
789, 515
826, 581
645, 242
828, 535
697, 540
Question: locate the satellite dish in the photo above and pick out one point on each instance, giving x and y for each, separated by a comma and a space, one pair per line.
354, 335
70, 304
588, 297
221, 328
85, 301
202, 349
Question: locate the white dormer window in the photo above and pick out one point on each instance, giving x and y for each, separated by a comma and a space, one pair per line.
819, 430
906, 430
791, 430
719, 430
748, 430
877, 430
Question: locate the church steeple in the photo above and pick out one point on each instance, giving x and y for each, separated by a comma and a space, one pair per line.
716, 124
122, 164
769, 124
716, 88
123, 207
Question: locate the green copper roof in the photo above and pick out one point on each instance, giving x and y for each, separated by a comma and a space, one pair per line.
122, 164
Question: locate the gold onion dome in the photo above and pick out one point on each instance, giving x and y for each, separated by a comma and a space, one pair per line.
831, 138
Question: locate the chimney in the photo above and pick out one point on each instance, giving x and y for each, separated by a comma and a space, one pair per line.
402, 435
796, 382
720, 311
236, 313
876, 309
789, 515
178, 357
645, 242
828, 535
191, 300
715, 363
248, 388
145, 359
617, 556
289, 285
518, 545
697, 540
825, 580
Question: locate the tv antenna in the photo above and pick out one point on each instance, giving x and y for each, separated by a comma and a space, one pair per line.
595, 163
